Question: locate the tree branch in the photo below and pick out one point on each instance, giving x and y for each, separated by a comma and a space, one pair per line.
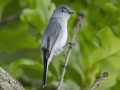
105, 74
76, 28
7, 82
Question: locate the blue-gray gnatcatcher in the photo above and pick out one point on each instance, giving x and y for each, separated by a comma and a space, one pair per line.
55, 36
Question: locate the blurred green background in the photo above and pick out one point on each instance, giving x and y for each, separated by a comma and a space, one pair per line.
97, 47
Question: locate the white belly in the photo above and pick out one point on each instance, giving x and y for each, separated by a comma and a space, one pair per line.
61, 41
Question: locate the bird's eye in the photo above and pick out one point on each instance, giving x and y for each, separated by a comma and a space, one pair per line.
62, 10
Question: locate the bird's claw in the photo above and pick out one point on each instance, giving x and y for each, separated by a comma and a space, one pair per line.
66, 67
73, 44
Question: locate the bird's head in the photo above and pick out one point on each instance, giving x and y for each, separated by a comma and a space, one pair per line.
62, 11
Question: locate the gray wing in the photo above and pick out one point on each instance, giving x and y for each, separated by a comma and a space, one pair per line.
50, 36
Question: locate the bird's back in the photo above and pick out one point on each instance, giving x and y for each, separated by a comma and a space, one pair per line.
55, 25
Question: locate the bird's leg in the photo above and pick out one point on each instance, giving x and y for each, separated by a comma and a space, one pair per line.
73, 44
65, 45
60, 62
66, 67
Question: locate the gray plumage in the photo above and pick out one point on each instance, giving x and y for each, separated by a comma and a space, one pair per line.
55, 36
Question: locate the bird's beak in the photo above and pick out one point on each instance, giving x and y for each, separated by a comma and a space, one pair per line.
71, 12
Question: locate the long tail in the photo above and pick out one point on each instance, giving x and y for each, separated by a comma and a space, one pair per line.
45, 60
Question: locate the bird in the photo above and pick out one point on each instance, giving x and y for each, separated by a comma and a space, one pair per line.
55, 36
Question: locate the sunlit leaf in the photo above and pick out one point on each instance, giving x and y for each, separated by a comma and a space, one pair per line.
107, 48
36, 17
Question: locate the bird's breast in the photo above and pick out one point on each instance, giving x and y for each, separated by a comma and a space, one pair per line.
61, 40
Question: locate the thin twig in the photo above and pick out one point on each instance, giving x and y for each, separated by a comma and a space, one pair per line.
105, 74
76, 28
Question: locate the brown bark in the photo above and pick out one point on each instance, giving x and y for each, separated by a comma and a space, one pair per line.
7, 82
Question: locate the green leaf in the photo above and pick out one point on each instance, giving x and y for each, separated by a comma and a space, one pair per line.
117, 84
39, 16
8, 57
68, 85
109, 81
30, 68
11, 40
106, 57
110, 45
1, 63
110, 7
79, 71
3, 4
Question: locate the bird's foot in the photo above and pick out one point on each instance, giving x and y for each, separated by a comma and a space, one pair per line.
70, 43
66, 67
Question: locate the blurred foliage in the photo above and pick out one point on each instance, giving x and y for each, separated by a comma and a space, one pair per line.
97, 46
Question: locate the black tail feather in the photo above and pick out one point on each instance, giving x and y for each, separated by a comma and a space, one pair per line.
45, 60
